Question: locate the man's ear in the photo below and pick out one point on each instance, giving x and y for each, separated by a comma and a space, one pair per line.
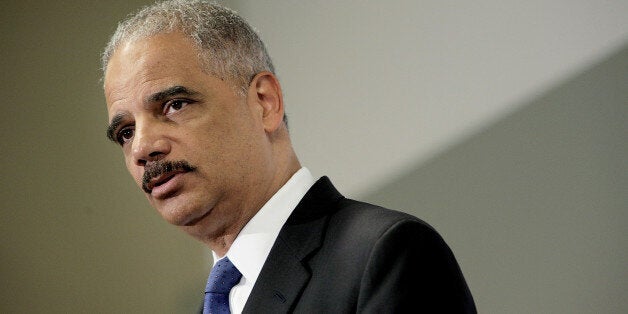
265, 94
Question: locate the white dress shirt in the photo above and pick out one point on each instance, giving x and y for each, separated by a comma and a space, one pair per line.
252, 245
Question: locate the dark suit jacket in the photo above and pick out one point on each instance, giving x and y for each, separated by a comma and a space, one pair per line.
336, 255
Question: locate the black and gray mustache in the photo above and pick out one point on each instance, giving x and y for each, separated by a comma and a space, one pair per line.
160, 167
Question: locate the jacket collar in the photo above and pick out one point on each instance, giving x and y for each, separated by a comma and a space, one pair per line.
284, 275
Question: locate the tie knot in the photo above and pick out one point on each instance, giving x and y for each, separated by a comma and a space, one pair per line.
223, 277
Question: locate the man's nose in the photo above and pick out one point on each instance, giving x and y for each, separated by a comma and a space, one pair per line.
149, 144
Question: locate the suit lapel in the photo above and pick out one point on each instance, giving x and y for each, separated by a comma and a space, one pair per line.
284, 275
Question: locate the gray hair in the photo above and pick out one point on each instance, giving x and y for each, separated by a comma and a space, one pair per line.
229, 47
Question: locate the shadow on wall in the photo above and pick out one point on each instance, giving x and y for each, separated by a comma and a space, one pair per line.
536, 206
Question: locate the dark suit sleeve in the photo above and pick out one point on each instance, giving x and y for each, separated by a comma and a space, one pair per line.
412, 270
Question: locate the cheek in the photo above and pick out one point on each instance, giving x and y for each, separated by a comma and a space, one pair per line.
134, 171
207, 138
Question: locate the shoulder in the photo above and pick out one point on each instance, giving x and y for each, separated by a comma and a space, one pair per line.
349, 222
405, 264
372, 221
370, 234
347, 228
389, 261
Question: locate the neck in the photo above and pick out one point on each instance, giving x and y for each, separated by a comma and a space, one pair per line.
288, 166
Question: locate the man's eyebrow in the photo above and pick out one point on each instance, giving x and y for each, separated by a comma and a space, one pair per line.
115, 123
169, 92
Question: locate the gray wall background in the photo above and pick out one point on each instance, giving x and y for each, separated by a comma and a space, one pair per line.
76, 236
502, 124
537, 203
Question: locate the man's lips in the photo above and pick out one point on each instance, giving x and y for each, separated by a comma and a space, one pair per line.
160, 180
161, 172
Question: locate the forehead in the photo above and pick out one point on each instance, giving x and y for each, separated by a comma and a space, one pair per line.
144, 66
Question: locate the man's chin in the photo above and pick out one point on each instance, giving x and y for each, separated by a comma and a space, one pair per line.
180, 214
175, 215
196, 220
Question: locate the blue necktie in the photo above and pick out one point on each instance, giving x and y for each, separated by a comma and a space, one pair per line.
221, 279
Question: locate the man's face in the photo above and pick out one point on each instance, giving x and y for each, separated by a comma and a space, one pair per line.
196, 148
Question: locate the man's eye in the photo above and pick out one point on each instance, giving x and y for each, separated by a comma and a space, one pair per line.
125, 135
174, 106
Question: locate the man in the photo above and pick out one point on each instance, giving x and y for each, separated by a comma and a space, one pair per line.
198, 111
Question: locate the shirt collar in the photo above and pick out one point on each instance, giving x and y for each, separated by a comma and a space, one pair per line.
252, 245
